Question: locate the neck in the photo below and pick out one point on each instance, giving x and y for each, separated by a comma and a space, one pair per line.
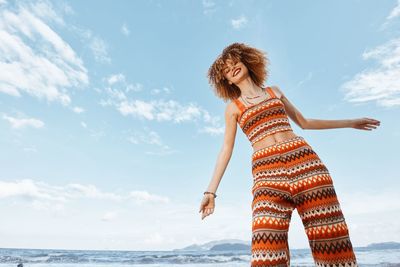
249, 88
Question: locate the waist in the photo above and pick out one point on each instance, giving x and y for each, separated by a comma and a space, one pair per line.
274, 140
272, 137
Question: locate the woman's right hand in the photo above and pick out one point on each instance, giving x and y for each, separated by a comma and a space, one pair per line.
207, 205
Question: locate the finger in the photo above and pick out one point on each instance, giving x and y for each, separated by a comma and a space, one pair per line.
375, 121
372, 121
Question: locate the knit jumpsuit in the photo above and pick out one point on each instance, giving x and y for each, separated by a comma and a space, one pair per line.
290, 175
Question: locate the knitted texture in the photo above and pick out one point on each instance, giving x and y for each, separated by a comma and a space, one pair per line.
263, 119
290, 175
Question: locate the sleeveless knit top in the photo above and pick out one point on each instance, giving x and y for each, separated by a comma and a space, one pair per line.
263, 119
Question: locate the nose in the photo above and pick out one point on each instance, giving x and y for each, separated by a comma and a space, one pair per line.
231, 67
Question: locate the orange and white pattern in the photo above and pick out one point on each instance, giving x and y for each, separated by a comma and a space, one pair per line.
290, 175
263, 119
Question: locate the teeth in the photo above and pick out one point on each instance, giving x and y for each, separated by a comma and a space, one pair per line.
236, 72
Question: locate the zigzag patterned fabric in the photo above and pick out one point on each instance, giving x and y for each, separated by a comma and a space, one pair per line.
290, 175
263, 119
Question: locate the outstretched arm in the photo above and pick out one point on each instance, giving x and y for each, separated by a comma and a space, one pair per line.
305, 123
207, 204
226, 149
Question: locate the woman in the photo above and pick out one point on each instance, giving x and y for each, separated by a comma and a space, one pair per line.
287, 173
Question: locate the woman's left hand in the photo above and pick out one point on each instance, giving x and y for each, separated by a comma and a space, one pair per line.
365, 124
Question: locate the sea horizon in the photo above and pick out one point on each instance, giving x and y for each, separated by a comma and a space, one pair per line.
366, 256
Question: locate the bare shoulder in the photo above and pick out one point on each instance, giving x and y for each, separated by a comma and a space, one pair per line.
232, 109
278, 92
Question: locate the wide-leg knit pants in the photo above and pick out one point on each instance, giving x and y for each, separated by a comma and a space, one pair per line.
290, 175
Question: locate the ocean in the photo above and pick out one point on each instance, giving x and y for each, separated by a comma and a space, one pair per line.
92, 258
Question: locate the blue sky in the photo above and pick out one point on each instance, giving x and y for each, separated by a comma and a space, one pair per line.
110, 131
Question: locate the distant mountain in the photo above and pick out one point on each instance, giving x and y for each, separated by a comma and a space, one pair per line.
209, 245
237, 244
384, 245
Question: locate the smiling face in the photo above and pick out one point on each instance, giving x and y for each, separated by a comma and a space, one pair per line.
234, 72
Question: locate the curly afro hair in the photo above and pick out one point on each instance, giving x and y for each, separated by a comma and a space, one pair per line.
255, 60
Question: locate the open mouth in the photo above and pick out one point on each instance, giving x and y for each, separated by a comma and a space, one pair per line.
236, 72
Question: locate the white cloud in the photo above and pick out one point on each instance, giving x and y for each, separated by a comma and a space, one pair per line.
119, 82
96, 134
145, 197
30, 149
97, 45
41, 194
134, 87
115, 93
29, 189
395, 12
157, 91
150, 137
213, 125
125, 30
163, 151
391, 17
19, 123
357, 203
45, 10
158, 109
380, 84
99, 49
109, 216
154, 239
213, 130
78, 109
239, 23
209, 7
34, 59
115, 78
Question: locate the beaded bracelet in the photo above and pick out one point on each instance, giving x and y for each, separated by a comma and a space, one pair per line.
207, 192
